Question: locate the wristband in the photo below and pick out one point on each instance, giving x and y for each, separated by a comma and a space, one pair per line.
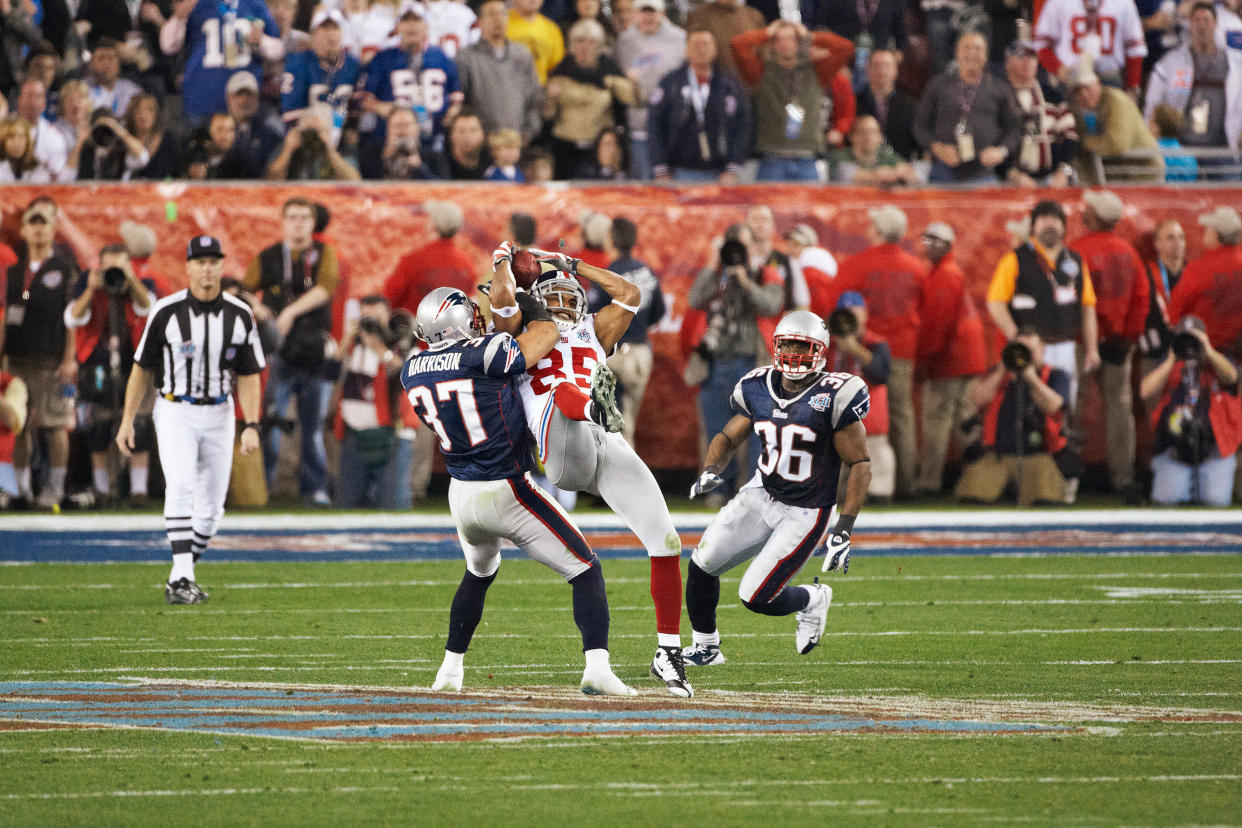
845, 523
505, 313
254, 425
630, 308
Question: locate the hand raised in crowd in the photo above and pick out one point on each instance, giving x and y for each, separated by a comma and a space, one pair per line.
150, 13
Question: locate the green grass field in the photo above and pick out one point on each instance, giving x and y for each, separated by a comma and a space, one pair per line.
1136, 658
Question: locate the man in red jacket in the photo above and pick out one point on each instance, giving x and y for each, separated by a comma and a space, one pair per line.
1211, 288
438, 264
893, 283
1122, 299
951, 352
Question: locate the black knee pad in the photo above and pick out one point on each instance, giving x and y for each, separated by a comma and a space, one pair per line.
144, 432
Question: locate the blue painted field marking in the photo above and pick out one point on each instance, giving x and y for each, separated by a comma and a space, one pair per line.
351, 715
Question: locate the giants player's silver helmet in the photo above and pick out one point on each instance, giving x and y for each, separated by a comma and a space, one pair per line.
803, 327
561, 295
446, 315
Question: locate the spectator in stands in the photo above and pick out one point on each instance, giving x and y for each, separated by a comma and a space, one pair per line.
1203, 81
73, 113
213, 153
216, 41
734, 297
367, 27
498, 76
108, 314
142, 119
968, 119
522, 229
325, 74
17, 161
596, 230
13, 396
538, 34
1169, 240
17, 33
296, 279
725, 19
818, 267
647, 52
43, 63
856, 350
622, 15
258, 136
871, 25
441, 263
699, 119
1197, 418
1106, 33
894, 284
951, 354
632, 361
1179, 165
590, 10
451, 24
764, 255
309, 154
103, 79
367, 399
537, 165
787, 88
1109, 126
1211, 285
1022, 405
50, 149
110, 152
892, 108
400, 159
587, 93
1049, 142
609, 159
869, 160
1122, 301
39, 349
1160, 29
1046, 286
465, 156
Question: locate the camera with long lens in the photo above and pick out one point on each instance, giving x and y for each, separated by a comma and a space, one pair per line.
373, 326
842, 323
401, 330
1016, 356
312, 142
114, 281
102, 136
733, 254
1186, 346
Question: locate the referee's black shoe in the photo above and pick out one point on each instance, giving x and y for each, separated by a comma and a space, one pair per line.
184, 591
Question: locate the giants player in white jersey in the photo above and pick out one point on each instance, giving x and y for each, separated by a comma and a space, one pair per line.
568, 397
1106, 31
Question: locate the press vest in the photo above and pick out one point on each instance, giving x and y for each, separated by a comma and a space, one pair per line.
1035, 300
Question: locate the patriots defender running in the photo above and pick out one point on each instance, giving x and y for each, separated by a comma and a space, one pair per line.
462, 387
810, 423
572, 412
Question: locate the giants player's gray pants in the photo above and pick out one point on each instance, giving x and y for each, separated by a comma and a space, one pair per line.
583, 457
196, 454
518, 511
779, 537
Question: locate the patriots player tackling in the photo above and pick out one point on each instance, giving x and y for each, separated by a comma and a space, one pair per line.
810, 423
571, 410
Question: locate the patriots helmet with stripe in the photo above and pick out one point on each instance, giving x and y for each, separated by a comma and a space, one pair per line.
563, 296
447, 315
800, 343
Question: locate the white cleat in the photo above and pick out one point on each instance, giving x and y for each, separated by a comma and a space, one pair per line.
813, 619
601, 681
448, 679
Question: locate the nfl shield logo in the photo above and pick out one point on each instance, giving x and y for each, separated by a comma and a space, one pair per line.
186, 348
230, 353
820, 402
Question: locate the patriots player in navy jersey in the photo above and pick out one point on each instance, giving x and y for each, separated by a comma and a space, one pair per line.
464, 388
412, 75
810, 423
220, 37
325, 73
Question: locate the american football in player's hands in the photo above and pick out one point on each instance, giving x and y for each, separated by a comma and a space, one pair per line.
526, 268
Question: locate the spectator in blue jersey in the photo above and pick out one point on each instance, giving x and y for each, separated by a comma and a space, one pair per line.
103, 79
217, 39
323, 74
412, 75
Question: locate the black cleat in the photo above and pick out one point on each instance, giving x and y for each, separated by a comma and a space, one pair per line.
184, 591
669, 666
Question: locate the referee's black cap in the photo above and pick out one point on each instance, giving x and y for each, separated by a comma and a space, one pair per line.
204, 247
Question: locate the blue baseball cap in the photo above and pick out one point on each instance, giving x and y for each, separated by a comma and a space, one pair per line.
851, 299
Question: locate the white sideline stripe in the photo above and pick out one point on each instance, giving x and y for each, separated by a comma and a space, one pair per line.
686, 521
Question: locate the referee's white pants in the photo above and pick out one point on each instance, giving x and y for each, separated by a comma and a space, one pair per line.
196, 453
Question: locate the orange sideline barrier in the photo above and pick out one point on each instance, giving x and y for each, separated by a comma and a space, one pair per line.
375, 224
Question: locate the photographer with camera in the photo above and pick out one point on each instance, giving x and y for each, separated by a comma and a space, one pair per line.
734, 296
400, 159
366, 398
107, 316
309, 153
1022, 403
1198, 420
107, 151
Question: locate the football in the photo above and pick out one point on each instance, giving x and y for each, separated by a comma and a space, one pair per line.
526, 268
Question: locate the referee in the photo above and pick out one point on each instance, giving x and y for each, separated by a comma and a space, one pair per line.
196, 340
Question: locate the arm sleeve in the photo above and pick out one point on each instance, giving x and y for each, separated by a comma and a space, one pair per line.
704, 288
1088, 289
657, 308
844, 104
253, 280
1140, 298
746, 55
768, 299
502, 357
149, 353
1059, 382
293, 89
739, 131
658, 115
925, 116
329, 270
1004, 278
250, 358
840, 53
851, 404
737, 400
881, 363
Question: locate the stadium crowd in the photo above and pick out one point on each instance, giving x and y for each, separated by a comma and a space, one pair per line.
880, 92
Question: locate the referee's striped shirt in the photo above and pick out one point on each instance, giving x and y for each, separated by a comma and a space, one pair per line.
194, 348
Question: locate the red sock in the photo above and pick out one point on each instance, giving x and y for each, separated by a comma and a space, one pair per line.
572, 401
666, 593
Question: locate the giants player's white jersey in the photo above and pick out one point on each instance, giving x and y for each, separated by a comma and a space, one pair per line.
1066, 28
572, 360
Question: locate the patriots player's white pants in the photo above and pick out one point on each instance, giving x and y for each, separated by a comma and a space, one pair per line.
196, 454
516, 510
779, 537
583, 457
